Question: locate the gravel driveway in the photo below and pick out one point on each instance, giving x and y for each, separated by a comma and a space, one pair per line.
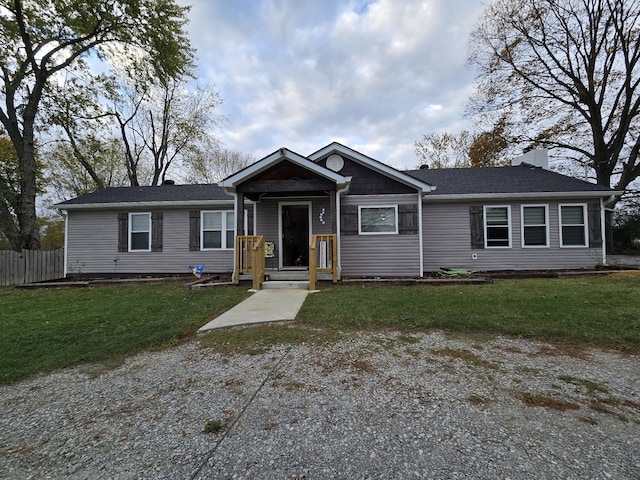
377, 406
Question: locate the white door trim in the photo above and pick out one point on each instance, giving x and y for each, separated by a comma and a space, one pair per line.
309, 206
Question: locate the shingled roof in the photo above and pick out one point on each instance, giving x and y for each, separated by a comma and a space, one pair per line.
502, 180
468, 182
178, 194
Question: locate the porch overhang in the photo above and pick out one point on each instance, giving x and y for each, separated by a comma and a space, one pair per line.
284, 173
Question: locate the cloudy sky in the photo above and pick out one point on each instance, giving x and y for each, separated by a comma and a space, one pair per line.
374, 75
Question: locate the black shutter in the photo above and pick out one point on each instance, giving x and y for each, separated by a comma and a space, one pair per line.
349, 220
408, 219
156, 231
595, 230
194, 230
477, 227
123, 232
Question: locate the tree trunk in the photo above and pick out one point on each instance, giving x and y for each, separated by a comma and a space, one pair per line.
27, 218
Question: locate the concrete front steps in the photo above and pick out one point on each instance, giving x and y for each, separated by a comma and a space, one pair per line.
290, 284
291, 279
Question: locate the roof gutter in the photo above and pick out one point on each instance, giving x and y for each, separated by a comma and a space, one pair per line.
519, 196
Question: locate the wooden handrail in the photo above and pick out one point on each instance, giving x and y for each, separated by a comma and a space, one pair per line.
257, 263
250, 258
323, 257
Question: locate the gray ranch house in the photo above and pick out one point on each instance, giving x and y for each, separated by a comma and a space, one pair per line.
340, 213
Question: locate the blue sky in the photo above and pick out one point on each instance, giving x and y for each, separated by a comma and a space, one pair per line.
374, 75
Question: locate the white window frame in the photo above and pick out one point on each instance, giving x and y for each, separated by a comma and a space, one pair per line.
395, 211
223, 232
486, 227
585, 225
131, 231
545, 225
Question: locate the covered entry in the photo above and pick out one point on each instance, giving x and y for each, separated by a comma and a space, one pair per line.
295, 205
295, 232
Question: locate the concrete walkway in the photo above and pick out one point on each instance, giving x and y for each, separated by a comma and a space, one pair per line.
270, 305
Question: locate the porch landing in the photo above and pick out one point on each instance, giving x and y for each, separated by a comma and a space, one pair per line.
272, 305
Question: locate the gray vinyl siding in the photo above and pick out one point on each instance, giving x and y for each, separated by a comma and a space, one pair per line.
447, 241
92, 247
380, 255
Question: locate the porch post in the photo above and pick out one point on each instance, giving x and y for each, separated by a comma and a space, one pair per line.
240, 214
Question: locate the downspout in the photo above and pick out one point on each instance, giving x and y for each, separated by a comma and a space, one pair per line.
235, 215
255, 218
339, 192
66, 240
421, 244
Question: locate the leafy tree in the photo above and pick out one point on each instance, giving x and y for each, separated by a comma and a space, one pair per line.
626, 229
210, 165
67, 161
444, 150
53, 232
42, 39
565, 74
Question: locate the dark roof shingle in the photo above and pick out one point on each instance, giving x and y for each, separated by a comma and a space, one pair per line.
448, 181
501, 180
163, 193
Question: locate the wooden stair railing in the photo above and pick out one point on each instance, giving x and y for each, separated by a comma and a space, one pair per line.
250, 259
323, 257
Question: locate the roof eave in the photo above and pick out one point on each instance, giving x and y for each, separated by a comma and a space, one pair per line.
156, 204
521, 196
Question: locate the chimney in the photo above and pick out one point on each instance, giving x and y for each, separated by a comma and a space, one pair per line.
169, 182
536, 158
424, 166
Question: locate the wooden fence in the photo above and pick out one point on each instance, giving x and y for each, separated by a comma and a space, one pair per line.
30, 266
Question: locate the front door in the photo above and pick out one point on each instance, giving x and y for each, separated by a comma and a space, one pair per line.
294, 232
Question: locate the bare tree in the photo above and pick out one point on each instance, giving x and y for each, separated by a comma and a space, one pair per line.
444, 150
565, 75
210, 165
164, 124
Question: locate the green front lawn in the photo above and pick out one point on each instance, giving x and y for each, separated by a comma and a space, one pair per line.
603, 311
43, 330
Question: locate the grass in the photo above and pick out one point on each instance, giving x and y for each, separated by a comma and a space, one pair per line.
44, 330
602, 312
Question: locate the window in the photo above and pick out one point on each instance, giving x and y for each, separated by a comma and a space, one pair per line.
140, 232
497, 226
573, 226
218, 229
378, 220
534, 226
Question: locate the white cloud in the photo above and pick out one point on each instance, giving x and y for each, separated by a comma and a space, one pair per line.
374, 75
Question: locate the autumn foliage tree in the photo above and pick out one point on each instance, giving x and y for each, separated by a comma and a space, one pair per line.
565, 75
463, 150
